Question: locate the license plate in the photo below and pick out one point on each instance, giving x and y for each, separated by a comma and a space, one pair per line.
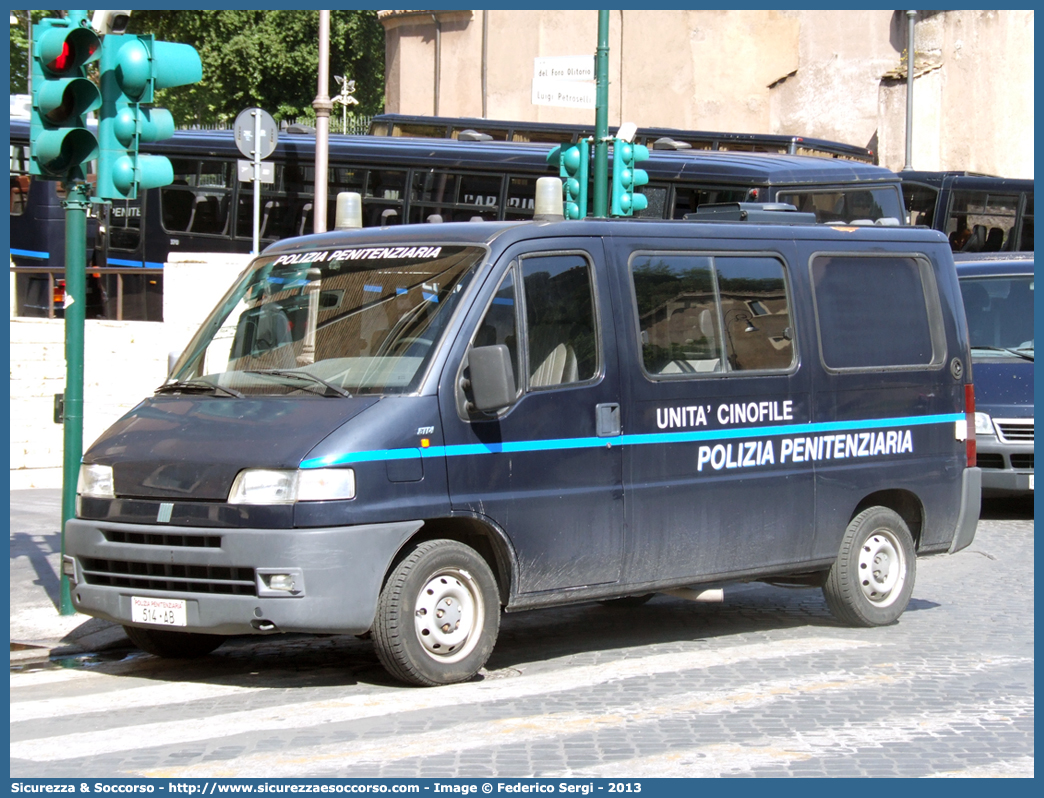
161, 612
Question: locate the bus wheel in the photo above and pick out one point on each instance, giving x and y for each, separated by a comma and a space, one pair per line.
173, 645
871, 582
438, 615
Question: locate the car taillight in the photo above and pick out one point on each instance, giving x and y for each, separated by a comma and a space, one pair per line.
969, 420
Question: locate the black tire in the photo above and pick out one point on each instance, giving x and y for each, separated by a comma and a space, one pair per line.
173, 645
627, 602
437, 576
872, 580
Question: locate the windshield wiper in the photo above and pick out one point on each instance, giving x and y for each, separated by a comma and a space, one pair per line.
197, 386
303, 375
1017, 352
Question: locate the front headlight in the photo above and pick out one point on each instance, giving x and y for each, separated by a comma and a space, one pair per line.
983, 424
95, 481
272, 486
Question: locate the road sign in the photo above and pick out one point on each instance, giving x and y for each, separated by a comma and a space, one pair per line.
245, 170
566, 80
244, 132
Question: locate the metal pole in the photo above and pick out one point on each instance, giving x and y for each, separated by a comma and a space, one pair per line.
257, 180
438, 60
322, 106
601, 165
29, 65
485, 61
75, 313
911, 17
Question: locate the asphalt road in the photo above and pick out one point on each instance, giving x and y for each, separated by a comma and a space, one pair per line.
766, 684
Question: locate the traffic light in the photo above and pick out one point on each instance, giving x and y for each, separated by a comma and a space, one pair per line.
60, 143
132, 68
626, 178
573, 164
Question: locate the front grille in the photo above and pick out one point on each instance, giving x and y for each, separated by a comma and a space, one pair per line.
149, 539
169, 578
1022, 461
1014, 430
989, 460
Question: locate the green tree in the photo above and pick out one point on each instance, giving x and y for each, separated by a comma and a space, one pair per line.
20, 48
268, 59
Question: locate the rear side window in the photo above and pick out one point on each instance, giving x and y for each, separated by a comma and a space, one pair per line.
876, 312
700, 314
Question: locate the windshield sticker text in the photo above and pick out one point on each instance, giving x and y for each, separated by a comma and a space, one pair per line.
373, 253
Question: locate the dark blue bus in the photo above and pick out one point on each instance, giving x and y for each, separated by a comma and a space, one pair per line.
207, 209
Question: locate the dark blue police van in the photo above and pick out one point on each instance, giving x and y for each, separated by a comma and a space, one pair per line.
998, 303
406, 430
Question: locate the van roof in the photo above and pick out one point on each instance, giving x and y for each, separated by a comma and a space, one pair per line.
980, 264
485, 233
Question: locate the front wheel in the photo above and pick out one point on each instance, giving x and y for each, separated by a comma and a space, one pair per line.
871, 582
438, 615
173, 645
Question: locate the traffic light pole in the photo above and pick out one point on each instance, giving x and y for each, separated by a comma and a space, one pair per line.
601, 164
75, 204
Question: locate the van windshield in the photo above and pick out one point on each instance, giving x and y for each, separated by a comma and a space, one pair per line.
341, 322
1000, 315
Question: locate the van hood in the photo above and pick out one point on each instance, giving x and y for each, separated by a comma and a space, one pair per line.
1004, 387
191, 448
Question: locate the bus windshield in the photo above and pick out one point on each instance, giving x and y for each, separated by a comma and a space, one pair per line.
1000, 315
365, 320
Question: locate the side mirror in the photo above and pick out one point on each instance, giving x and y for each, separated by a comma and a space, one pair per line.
172, 359
492, 377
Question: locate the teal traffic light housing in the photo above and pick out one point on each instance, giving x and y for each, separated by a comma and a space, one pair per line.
626, 178
60, 143
132, 68
573, 167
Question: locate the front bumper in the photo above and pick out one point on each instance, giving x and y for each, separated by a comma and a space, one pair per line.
1007, 468
221, 574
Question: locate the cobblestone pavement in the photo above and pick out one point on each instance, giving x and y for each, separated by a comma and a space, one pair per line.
766, 684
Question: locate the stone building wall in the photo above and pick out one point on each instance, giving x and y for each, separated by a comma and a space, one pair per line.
824, 74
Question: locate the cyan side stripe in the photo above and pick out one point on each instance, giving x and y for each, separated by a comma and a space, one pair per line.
30, 253
512, 447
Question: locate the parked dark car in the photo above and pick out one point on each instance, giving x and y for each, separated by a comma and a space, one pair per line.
998, 302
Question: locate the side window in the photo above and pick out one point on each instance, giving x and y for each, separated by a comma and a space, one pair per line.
198, 201
755, 313
677, 314
876, 312
500, 324
920, 203
1026, 243
560, 320
981, 222
700, 314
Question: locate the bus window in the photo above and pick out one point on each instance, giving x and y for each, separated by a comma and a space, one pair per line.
199, 199
521, 195
456, 197
124, 226
981, 222
385, 191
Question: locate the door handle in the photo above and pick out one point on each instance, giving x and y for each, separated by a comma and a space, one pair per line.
607, 417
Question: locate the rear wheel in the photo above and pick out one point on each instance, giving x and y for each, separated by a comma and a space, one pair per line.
173, 645
438, 615
872, 580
